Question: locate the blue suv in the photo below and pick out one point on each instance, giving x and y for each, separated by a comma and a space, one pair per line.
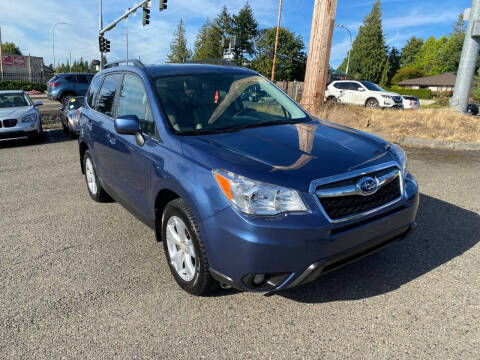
244, 188
62, 87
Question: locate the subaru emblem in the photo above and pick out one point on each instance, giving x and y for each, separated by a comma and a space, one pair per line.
367, 185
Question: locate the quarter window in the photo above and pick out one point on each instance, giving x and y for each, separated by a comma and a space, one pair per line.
106, 97
133, 100
93, 90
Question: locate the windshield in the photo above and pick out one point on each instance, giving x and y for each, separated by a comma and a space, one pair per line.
13, 100
371, 86
215, 102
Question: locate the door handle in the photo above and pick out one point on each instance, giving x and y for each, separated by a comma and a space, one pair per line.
111, 139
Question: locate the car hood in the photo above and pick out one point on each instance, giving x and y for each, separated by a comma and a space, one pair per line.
14, 112
288, 155
389, 93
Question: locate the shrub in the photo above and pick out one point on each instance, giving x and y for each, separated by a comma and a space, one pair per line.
420, 93
407, 73
22, 85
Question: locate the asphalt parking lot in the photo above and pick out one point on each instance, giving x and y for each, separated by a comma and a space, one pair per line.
80, 279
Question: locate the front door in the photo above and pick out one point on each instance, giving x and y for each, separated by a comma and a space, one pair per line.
133, 163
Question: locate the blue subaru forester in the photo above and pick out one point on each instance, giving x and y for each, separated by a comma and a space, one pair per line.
243, 187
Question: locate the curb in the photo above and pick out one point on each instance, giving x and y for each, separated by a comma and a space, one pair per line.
432, 144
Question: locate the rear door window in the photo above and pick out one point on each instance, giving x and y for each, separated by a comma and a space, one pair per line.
82, 79
107, 94
92, 91
71, 78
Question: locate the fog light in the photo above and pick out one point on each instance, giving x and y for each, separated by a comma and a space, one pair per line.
258, 279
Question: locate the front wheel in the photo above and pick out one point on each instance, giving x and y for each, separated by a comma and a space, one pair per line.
371, 103
184, 249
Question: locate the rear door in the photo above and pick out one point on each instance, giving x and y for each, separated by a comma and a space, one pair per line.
133, 163
357, 94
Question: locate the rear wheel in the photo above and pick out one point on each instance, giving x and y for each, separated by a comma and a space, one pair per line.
184, 249
94, 188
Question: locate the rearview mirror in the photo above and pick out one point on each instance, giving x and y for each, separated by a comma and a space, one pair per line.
37, 103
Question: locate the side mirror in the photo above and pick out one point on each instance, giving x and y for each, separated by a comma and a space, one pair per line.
37, 103
127, 125
361, 89
61, 108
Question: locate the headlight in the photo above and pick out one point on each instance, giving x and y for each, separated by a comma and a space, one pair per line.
401, 157
256, 198
29, 118
387, 97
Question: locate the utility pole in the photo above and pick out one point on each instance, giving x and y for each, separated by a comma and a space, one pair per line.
319, 47
53, 40
70, 62
1, 54
276, 41
468, 61
126, 36
100, 27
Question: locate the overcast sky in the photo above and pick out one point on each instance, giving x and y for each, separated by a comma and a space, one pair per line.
29, 23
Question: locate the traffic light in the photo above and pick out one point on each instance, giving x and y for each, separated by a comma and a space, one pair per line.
103, 44
163, 5
146, 15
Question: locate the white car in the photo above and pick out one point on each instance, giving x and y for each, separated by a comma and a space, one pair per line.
363, 93
410, 102
19, 116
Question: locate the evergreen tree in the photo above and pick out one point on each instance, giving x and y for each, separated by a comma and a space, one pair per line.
290, 45
368, 59
179, 52
393, 64
224, 22
245, 28
410, 51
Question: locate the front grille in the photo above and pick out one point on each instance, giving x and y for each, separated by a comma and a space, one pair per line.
9, 123
345, 206
397, 99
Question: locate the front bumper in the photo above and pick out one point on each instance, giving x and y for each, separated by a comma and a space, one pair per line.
294, 249
20, 130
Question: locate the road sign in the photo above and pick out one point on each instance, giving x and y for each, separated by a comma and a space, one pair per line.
19, 61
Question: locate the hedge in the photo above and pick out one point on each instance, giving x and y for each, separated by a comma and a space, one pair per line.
420, 93
22, 85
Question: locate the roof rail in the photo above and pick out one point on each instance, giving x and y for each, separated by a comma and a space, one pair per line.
135, 62
212, 62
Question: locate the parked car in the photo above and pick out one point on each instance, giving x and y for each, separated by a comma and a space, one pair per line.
258, 198
61, 87
19, 116
70, 115
410, 102
472, 108
362, 93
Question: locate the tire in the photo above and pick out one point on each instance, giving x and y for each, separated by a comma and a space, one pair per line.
332, 100
95, 190
371, 103
64, 99
181, 237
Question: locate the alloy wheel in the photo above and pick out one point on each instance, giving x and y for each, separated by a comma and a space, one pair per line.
91, 179
180, 248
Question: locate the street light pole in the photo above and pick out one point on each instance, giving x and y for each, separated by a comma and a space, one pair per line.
341, 26
70, 62
53, 40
